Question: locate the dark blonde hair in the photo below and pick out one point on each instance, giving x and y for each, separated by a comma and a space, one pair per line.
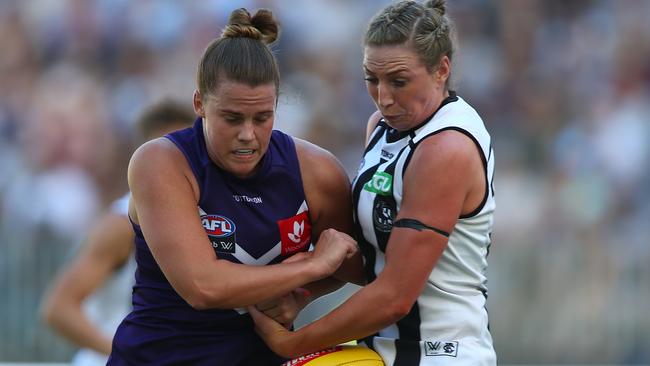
425, 27
242, 53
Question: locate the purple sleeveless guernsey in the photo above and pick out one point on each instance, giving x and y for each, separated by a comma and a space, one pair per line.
256, 221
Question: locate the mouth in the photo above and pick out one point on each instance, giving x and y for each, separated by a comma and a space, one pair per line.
244, 155
391, 116
244, 152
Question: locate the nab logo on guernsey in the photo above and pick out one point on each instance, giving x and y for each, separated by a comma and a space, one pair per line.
381, 183
221, 231
295, 233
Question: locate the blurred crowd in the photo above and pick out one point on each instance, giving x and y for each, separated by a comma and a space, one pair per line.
563, 86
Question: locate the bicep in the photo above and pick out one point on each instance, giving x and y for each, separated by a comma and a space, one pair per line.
166, 206
334, 206
327, 189
438, 180
436, 184
328, 192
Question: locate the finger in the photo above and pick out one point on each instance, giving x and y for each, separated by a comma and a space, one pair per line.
264, 306
302, 292
352, 251
284, 312
259, 318
275, 313
264, 325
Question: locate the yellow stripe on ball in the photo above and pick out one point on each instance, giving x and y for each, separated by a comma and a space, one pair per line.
339, 355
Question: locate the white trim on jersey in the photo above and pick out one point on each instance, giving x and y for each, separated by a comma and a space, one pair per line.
245, 258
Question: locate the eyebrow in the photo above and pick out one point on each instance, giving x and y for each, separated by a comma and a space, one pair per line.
229, 111
392, 73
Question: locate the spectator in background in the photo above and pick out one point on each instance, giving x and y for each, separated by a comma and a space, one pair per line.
92, 294
423, 204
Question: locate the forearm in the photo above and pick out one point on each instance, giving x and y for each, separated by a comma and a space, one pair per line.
70, 321
247, 285
350, 321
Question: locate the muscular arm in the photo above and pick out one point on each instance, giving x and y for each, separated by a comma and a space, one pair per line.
327, 188
327, 191
107, 248
450, 162
165, 194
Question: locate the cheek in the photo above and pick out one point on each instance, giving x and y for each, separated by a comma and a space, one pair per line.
217, 135
372, 91
264, 135
413, 102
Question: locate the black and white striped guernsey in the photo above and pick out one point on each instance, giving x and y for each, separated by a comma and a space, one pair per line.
448, 325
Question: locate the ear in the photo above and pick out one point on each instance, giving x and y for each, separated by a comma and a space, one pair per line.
198, 104
444, 69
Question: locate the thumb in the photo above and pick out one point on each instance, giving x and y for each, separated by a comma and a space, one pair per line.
261, 320
264, 325
255, 313
258, 318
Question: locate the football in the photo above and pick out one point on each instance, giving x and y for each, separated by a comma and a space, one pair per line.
339, 355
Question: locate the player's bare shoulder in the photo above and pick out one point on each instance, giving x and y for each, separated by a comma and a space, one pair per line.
326, 186
158, 168
156, 151
319, 166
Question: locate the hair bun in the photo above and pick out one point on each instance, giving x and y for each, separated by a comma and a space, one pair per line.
438, 5
262, 26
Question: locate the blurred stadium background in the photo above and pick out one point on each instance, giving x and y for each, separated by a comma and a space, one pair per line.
564, 88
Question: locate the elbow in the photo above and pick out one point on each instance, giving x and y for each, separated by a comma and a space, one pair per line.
48, 312
201, 292
194, 290
200, 301
204, 296
47, 315
197, 303
197, 298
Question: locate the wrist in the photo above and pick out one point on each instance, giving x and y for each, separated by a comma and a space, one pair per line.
295, 345
317, 270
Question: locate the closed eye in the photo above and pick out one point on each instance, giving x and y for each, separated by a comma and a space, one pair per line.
261, 118
398, 83
371, 79
232, 118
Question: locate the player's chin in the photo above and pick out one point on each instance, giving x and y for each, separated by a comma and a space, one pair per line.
244, 168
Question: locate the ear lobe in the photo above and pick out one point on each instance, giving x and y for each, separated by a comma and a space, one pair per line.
444, 69
197, 102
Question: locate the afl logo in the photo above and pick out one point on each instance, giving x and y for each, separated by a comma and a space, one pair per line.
217, 225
